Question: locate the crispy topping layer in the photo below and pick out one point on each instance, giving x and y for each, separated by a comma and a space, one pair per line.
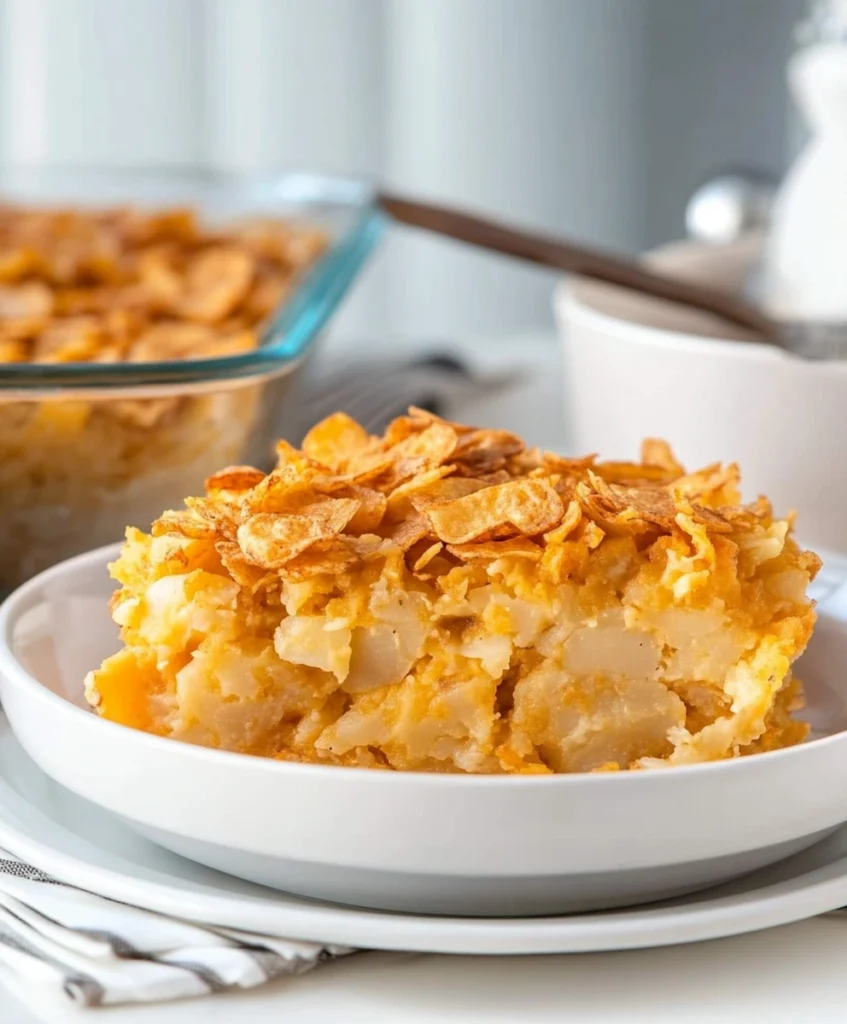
429, 482
118, 284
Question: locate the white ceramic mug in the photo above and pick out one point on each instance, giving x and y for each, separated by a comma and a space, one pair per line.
637, 367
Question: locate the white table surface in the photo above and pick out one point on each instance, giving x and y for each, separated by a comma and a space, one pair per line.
792, 974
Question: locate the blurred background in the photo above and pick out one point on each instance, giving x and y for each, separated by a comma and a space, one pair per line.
591, 118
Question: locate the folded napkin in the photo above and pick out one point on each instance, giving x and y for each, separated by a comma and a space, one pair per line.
94, 951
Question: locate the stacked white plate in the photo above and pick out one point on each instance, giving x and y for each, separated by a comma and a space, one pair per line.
456, 864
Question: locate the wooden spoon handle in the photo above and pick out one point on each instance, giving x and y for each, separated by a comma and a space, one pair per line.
573, 259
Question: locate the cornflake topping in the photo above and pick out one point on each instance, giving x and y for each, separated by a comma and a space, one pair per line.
439, 489
114, 285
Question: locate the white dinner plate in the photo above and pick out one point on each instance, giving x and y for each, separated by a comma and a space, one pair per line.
412, 842
81, 844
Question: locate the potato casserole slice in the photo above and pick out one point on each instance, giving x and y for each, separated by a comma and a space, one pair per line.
444, 598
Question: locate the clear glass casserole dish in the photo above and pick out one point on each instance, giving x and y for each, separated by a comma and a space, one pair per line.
89, 448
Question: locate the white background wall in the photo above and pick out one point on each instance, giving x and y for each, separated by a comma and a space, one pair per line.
593, 118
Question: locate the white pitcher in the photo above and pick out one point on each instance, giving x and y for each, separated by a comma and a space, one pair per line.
805, 265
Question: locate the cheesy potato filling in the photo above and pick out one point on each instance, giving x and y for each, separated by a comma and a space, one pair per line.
612, 616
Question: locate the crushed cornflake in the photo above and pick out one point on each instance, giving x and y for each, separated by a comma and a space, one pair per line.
109, 285
443, 598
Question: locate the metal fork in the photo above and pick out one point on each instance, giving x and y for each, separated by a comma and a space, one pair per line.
375, 392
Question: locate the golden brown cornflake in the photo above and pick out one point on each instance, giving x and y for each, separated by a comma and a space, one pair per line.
283, 491
417, 492
178, 224
330, 557
252, 577
603, 505
447, 490
187, 523
633, 473
565, 467
638, 509
318, 562
572, 519
500, 476
289, 457
435, 443
484, 451
402, 427
717, 483
761, 508
810, 563
230, 343
517, 547
25, 308
235, 478
269, 291
409, 531
264, 238
371, 470
13, 350
290, 245
171, 340
426, 556
17, 263
417, 453
371, 510
159, 273
335, 441
74, 340
271, 539
123, 325
527, 507
593, 536
657, 453
81, 301
423, 418
221, 513
216, 281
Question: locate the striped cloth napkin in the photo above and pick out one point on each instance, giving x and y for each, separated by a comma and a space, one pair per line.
92, 951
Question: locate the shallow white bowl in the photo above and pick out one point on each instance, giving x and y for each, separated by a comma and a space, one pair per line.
404, 841
639, 367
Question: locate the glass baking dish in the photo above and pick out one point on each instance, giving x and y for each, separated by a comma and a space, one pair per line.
87, 449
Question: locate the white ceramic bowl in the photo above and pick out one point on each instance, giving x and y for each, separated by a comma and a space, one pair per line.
637, 367
403, 841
